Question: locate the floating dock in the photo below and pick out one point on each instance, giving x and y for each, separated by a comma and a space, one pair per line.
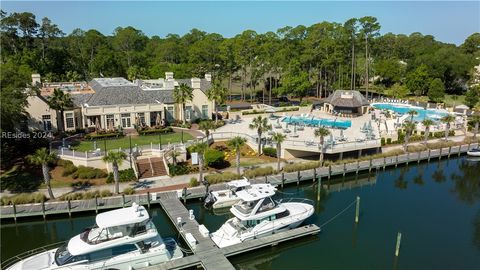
205, 251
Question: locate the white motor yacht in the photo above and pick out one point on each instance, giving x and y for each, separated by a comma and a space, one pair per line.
122, 239
257, 214
226, 198
474, 152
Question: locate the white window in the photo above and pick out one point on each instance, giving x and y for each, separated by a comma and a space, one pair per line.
47, 123
188, 113
141, 118
110, 121
205, 111
170, 112
69, 120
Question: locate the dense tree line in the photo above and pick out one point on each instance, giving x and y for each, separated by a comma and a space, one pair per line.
297, 60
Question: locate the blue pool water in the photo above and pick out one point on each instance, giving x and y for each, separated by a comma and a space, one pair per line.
403, 109
318, 122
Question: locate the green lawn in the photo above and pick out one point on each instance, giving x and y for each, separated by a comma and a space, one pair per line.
139, 140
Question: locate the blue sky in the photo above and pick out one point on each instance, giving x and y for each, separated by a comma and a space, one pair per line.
449, 22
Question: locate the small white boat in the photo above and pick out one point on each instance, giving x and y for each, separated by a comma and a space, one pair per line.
474, 152
122, 239
226, 198
257, 215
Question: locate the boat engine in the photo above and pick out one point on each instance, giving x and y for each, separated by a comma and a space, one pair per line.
209, 200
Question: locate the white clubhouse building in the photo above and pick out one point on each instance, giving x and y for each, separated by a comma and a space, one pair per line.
109, 103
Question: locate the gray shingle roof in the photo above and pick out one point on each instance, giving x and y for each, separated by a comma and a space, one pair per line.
133, 94
347, 98
80, 99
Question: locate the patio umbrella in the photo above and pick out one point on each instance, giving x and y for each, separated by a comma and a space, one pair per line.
97, 123
157, 119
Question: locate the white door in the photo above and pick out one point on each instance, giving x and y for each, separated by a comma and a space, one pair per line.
125, 120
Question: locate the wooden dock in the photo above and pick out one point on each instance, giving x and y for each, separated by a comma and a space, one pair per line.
205, 251
325, 173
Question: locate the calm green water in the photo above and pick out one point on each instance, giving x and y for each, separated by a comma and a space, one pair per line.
436, 206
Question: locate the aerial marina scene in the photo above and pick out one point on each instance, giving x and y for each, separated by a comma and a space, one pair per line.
240, 135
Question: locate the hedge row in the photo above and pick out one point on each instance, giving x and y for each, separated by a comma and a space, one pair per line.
81, 172
270, 151
263, 171
301, 166
23, 198
221, 177
123, 176
288, 109
85, 195
156, 131
103, 136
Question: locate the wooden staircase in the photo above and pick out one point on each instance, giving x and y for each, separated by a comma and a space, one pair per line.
151, 167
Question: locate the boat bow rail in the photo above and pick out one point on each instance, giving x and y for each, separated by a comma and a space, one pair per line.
13, 260
295, 200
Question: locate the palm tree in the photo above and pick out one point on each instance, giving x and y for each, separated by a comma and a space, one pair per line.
409, 127
278, 138
60, 101
412, 114
200, 148
447, 120
475, 119
427, 123
42, 158
116, 158
218, 94
182, 94
261, 125
237, 143
321, 132
206, 126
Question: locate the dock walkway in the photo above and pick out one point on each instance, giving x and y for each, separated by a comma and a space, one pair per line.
66, 207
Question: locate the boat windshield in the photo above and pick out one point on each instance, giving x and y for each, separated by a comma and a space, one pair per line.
63, 256
245, 207
97, 235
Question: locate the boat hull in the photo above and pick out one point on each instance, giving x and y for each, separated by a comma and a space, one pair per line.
473, 153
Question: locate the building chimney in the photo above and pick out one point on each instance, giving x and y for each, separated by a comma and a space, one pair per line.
196, 83
36, 79
208, 77
168, 76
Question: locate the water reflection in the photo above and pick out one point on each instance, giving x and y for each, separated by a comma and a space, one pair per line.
467, 181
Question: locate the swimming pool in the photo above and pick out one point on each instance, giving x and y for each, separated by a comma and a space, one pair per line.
405, 108
317, 122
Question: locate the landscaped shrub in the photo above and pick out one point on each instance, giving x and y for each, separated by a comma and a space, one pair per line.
83, 172
69, 169
123, 176
85, 195
301, 166
179, 169
389, 140
193, 182
23, 198
259, 172
270, 151
214, 158
156, 131
382, 141
103, 136
129, 191
63, 162
221, 177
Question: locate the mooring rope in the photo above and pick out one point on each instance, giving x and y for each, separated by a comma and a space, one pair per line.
337, 215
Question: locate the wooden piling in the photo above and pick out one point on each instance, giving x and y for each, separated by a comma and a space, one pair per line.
298, 178
283, 179
357, 209
384, 162
418, 159
314, 174
148, 199
69, 206
429, 152
329, 171
396, 161
43, 209
123, 200
96, 204
440, 155
459, 150
358, 166
319, 188
449, 151
14, 212
344, 169
408, 157
370, 166
184, 195
399, 240
266, 179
